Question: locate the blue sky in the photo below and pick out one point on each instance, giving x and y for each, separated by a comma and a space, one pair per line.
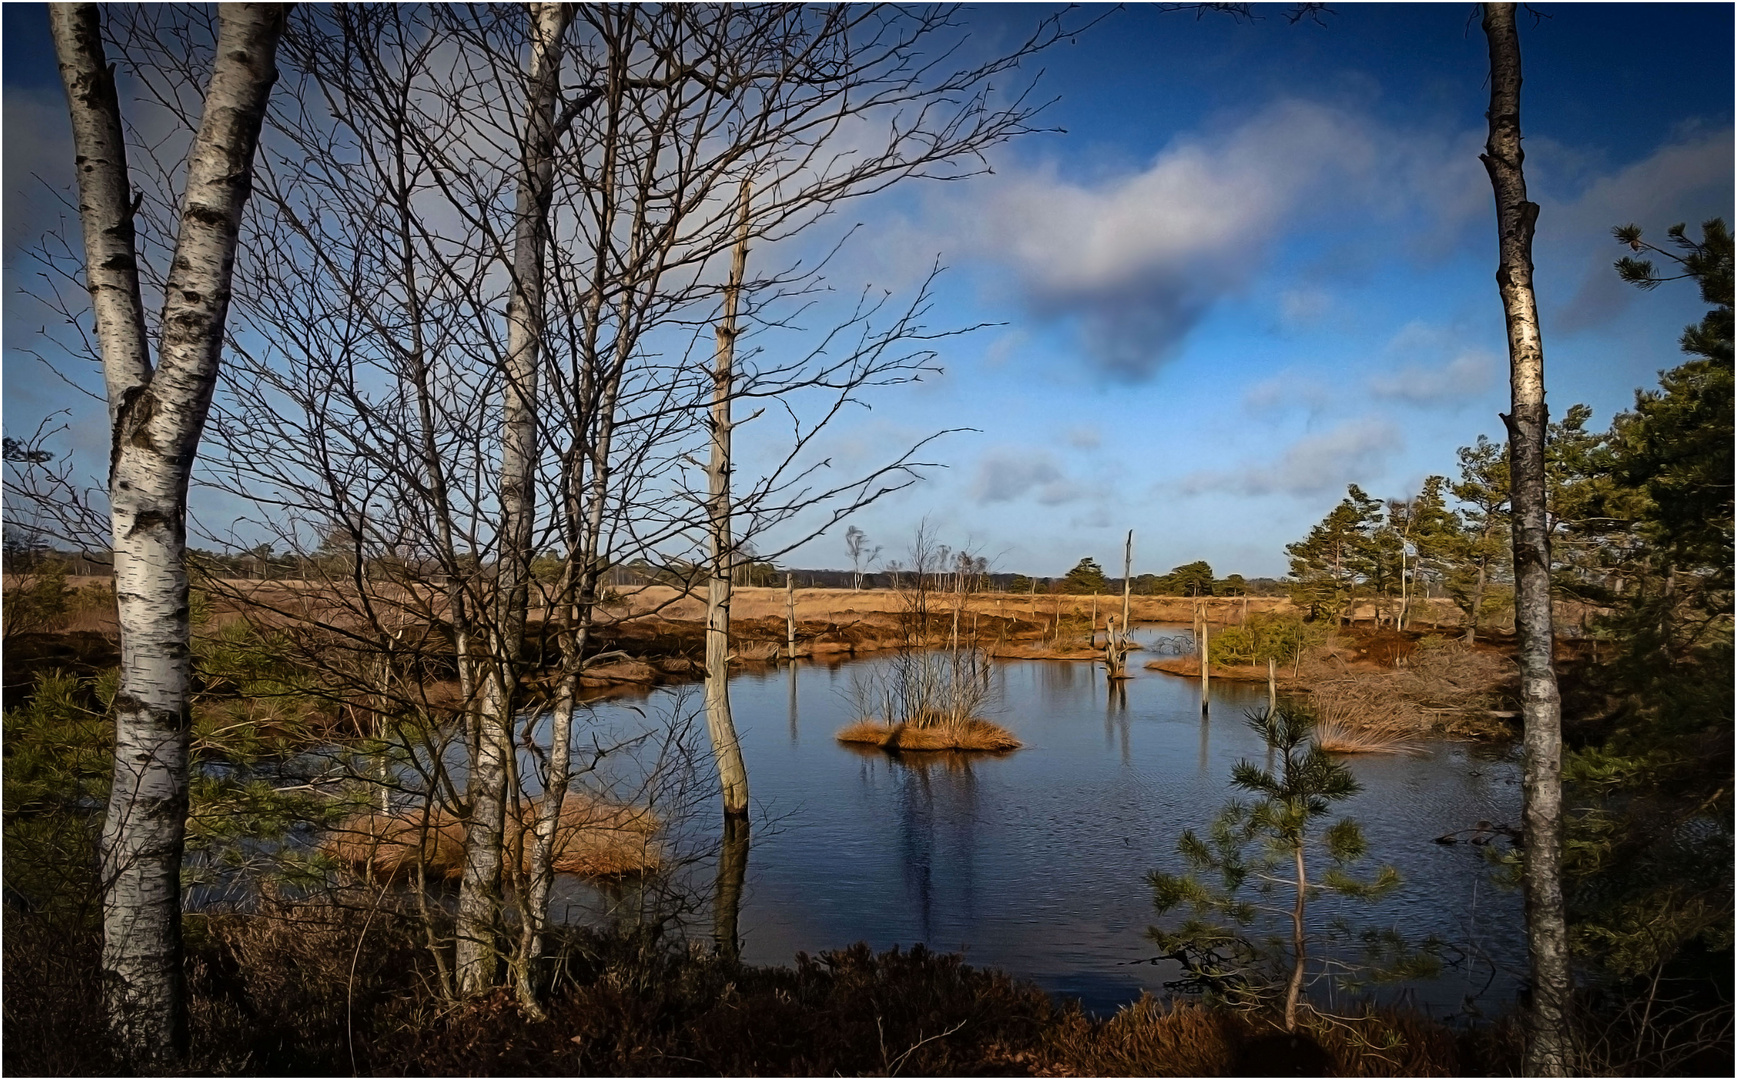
1257, 266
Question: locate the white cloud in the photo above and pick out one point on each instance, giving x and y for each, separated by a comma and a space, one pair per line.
1352, 451
1008, 475
1467, 375
1304, 306
1685, 180
1285, 391
1085, 437
1135, 259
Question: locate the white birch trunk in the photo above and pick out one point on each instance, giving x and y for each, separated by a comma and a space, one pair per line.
1549, 1043
732, 774
157, 416
480, 889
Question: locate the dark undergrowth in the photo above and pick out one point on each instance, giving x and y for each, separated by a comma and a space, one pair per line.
316, 989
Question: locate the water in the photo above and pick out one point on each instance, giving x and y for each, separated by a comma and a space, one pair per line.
1036, 861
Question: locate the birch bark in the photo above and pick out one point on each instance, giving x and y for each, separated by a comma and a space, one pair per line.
156, 415
480, 888
732, 774
1548, 1043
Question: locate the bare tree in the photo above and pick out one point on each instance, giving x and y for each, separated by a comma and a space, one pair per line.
732, 774
479, 892
396, 398
1549, 1042
157, 413
862, 556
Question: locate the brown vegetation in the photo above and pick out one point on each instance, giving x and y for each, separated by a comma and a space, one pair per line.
973, 734
593, 838
1434, 688
333, 988
1374, 689
1156, 1038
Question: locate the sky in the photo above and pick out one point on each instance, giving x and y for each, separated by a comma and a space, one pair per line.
1252, 263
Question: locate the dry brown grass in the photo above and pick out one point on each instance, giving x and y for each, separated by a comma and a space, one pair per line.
1159, 1038
593, 838
970, 734
1336, 737
1443, 690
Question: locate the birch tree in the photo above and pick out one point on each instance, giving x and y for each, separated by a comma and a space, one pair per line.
372, 396
479, 890
1549, 1043
157, 409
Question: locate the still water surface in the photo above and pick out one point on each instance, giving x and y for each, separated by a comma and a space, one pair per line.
1035, 861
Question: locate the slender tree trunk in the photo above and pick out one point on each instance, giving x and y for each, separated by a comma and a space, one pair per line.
732, 774
156, 418
1477, 601
1549, 1045
1127, 581
790, 616
1272, 686
480, 888
1205, 663
1299, 944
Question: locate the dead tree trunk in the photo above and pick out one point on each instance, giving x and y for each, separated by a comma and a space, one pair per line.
1549, 1044
732, 774
1127, 581
790, 616
157, 416
1205, 662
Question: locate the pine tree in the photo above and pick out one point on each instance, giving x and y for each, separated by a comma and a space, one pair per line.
1258, 845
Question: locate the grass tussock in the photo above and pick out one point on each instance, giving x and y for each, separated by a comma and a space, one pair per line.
1337, 737
973, 734
593, 838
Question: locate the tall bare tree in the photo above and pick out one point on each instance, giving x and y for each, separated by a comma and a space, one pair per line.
370, 401
1549, 1043
479, 891
732, 773
157, 413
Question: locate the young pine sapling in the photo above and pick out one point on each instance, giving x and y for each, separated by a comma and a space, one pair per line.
1271, 844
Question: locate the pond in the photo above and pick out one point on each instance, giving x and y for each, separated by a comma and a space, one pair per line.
1036, 861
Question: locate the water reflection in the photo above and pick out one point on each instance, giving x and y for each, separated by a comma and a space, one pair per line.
1116, 717
732, 875
792, 666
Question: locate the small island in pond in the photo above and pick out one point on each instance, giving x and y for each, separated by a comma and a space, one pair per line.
971, 734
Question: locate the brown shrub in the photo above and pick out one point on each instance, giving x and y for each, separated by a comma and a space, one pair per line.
1155, 1038
1148, 1038
1447, 689
971, 734
593, 838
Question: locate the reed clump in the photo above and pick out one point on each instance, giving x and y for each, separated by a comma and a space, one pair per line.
927, 699
970, 734
593, 838
1373, 736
